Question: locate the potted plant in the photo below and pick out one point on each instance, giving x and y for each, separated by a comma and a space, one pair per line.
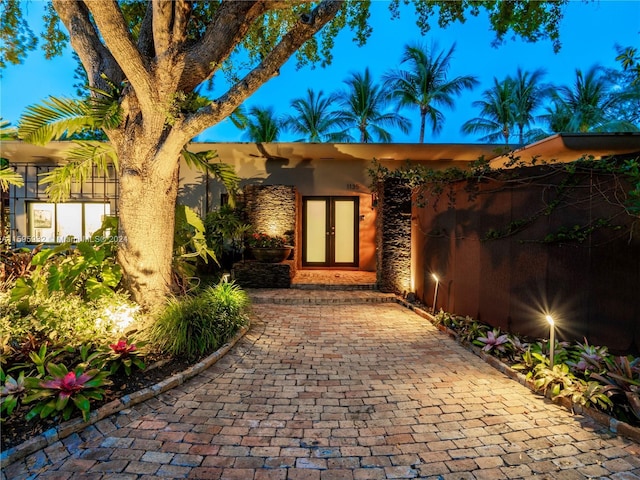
267, 248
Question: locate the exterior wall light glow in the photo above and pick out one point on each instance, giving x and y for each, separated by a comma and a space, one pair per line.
435, 293
552, 340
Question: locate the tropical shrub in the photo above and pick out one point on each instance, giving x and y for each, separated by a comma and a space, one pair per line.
225, 231
64, 391
86, 269
193, 326
15, 264
587, 394
189, 247
60, 319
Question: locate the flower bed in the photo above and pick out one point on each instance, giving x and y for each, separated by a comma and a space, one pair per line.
583, 377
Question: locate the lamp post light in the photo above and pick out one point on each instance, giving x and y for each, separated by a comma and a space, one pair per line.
435, 293
552, 340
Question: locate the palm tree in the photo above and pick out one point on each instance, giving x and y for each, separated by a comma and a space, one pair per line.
425, 84
586, 106
262, 125
313, 118
528, 95
497, 113
364, 108
77, 119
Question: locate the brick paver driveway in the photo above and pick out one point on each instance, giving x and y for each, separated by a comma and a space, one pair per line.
341, 392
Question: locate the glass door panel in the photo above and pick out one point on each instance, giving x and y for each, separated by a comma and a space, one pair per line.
315, 233
344, 231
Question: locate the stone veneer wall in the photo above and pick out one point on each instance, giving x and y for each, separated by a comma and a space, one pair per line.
393, 238
252, 274
271, 209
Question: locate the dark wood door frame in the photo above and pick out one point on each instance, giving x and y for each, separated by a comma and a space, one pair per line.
330, 232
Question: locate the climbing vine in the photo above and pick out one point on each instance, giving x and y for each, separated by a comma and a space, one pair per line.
611, 182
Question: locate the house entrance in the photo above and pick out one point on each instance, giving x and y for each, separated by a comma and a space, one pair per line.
330, 231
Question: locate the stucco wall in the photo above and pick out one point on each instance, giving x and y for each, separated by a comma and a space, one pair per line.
311, 177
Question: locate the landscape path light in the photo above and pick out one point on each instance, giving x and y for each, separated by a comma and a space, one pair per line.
435, 293
552, 340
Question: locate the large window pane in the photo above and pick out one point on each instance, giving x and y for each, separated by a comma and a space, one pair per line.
42, 223
69, 221
94, 215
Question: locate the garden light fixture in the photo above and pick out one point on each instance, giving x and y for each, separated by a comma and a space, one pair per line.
552, 340
435, 293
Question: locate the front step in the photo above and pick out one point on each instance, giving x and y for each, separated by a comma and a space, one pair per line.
335, 296
334, 286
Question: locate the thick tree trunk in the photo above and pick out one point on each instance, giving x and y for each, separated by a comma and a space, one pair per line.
147, 217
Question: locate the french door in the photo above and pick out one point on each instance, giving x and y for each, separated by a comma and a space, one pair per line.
330, 231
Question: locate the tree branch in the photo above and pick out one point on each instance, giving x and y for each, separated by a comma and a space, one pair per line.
162, 17
114, 30
145, 38
229, 26
181, 14
268, 68
85, 40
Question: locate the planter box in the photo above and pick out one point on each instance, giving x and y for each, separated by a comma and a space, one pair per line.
271, 255
253, 274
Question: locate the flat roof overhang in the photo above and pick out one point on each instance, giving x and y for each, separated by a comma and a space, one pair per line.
21, 152
568, 147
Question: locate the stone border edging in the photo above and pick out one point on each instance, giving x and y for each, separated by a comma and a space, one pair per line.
75, 425
615, 426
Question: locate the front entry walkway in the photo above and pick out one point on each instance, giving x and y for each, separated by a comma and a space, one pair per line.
361, 391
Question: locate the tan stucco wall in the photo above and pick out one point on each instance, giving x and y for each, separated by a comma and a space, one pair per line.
311, 177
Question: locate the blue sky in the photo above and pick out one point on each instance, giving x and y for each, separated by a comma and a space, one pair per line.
589, 32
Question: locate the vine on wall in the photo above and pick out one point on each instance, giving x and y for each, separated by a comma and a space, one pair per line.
613, 181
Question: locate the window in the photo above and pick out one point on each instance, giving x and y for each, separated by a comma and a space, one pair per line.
60, 222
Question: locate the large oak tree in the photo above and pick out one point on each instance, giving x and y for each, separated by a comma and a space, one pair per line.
159, 52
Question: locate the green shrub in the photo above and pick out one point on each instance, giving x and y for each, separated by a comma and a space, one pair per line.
61, 319
193, 326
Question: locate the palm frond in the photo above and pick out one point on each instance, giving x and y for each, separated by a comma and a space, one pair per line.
9, 177
80, 162
56, 118
7, 132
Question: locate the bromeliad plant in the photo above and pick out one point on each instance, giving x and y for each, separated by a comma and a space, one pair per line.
63, 391
11, 391
495, 341
125, 355
622, 382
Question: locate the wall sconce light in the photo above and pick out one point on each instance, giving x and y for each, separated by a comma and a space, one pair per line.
435, 293
374, 200
552, 340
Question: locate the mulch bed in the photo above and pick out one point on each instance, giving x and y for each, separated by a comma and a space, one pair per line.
14, 430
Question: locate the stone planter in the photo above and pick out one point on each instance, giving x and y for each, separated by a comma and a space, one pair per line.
271, 255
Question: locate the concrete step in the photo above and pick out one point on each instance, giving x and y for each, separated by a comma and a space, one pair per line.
334, 286
298, 296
